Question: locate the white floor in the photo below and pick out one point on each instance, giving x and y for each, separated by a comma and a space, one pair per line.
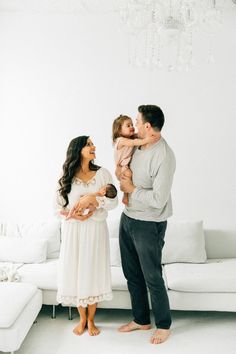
192, 332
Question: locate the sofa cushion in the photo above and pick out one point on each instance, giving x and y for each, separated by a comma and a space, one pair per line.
220, 243
217, 275
117, 279
43, 275
184, 242
20, 250
8, 228
115, 252
14, 297
119, 282
113, 223
48, 231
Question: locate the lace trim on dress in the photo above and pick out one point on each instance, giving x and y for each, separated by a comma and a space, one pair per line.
92, 180
73, 300
79, 181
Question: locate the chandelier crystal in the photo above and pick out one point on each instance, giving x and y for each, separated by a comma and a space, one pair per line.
163, 32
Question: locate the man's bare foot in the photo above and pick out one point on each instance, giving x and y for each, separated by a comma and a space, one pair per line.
78, 330
133, 326
92, 329
160, 336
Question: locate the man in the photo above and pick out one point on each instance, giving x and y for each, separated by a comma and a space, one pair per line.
143, 225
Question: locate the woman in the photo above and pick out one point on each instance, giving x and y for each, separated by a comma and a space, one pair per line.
84, 277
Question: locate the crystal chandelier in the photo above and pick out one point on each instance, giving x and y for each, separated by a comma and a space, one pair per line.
163, 32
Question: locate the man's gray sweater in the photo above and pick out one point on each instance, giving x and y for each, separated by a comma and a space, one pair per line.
153, 170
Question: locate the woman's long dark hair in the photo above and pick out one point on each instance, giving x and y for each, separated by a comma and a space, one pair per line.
72, 165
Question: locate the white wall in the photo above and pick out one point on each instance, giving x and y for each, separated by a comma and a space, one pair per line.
64, 75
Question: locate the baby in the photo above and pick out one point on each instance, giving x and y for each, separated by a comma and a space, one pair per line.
124, 141
108, 191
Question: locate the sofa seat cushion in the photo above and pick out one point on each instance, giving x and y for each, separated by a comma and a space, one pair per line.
216, 275
43, 275
13, 298
119, 282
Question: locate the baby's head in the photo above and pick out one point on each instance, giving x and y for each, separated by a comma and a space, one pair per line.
122, 126
111, 191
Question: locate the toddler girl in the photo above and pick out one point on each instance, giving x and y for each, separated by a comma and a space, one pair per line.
124, 141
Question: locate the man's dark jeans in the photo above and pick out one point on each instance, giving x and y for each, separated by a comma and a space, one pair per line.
141, 244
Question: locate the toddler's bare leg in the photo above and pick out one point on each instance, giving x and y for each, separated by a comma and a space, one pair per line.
127, 173
125, 199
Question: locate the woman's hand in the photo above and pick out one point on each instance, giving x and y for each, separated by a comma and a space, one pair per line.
73, 214
64, 212
80, 217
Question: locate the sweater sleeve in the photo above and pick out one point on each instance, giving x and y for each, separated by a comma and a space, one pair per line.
158, 195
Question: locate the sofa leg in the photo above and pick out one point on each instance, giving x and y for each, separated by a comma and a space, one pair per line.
69, 313
53, 311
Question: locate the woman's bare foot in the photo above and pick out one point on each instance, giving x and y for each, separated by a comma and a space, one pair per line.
133, 326
160, 336
78, 330
92, 329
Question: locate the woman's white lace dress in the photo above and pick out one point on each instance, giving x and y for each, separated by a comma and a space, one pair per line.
84, 276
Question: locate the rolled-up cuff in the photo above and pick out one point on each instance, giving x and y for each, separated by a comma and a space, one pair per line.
133, 195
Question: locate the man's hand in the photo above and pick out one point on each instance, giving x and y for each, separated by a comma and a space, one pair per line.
126, 185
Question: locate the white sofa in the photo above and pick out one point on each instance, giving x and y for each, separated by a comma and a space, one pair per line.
199, 268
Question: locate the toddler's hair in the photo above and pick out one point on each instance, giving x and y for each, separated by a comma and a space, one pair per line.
116, 126
111, 191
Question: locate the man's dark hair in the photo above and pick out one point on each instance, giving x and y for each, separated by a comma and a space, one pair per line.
153, 115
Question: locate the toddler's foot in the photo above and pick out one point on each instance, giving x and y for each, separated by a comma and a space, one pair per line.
78, 330
92, 329
133, 326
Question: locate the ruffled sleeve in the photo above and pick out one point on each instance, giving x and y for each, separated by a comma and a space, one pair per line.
58, 202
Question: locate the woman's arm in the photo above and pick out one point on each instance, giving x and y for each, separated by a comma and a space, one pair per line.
58, 202
64, 213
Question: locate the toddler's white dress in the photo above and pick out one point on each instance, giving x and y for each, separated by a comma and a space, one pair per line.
84, 276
